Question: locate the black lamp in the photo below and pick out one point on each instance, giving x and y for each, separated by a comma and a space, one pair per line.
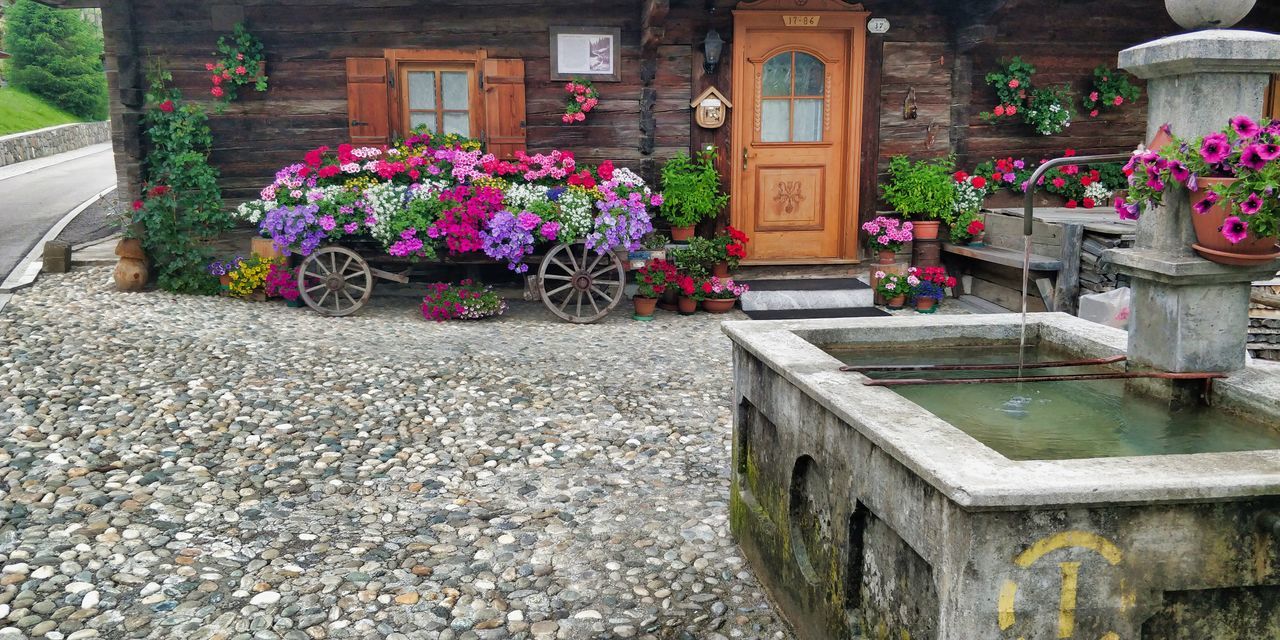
712, 47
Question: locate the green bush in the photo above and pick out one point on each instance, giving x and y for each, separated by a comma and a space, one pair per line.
922, 190
691, 189
57, 56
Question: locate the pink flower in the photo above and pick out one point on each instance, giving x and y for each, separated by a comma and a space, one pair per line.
1011, 110
239, 56
999, 110
1215, 148
1093, 114
1252, 159
351, 227
568, 117
1093, 95
1118, 101
579, 116
1269, 151
216, 80
1014, 84
327, 223
241, 70
208, 66
1244, 126
1059, 183
580, 99
1126, 210
1251, 205
569, 86
1206, 203
217, 92
1235, 229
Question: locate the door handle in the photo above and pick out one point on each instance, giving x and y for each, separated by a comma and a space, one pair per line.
357, 123
744, 158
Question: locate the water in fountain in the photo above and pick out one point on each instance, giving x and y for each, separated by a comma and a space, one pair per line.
1016, 406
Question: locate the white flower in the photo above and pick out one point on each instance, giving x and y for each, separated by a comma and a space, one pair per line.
385, 200
253, 210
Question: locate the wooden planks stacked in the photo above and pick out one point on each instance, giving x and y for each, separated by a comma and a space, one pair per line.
1093, 279
1264, 323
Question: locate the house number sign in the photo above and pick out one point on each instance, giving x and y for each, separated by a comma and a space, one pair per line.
878, 25
801, 21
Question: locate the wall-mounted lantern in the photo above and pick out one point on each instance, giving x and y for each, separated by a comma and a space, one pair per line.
712, 47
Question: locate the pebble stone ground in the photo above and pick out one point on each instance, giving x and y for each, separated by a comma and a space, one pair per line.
184, 467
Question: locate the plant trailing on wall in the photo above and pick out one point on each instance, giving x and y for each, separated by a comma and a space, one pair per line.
582, 99
691, 189
1111, 89
181, 207
239, 62
921, 189
1045, 109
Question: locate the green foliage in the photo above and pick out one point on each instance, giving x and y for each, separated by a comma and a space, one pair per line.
1047, 110
697, 259
1111, 89
20, 111
1012, 81
691, 189
236, 65
921, 189
58, 57
182, 208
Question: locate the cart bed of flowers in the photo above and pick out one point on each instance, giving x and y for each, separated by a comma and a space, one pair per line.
345, 210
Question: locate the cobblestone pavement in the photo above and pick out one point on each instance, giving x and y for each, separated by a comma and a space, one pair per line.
183, 467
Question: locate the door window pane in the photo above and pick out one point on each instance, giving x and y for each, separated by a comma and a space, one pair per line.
422, 90
418, 119
808, 120
777, 75
459, 123
775, 125
454, 89
810, 74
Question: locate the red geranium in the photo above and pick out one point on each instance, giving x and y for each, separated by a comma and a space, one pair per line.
979, 182
1071, 204
167, 106
1088, 203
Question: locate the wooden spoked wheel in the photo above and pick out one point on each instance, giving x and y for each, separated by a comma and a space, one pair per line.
335, 281
580, 285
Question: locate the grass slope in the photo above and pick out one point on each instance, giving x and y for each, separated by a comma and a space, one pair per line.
21, 111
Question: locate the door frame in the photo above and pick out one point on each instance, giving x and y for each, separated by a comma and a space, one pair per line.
831, 15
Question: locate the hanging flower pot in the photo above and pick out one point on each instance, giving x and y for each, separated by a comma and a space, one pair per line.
1217, 227
644, 307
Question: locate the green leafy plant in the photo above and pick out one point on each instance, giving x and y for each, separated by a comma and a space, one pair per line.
698, 257
181, 207
691, 189
654, 241
57, 56
1045, 109
892, 285
239, 57
1111, 89
921, 189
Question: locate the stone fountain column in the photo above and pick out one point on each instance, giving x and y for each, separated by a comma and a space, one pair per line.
1189, 314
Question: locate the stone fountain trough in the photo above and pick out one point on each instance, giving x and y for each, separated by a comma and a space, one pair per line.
863, 512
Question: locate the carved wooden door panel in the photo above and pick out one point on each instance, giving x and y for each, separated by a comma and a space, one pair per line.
794, 140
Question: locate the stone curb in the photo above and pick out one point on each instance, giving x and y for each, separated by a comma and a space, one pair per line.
26, 272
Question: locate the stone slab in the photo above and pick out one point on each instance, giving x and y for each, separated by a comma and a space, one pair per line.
1207, 51
1155, 265
832, 299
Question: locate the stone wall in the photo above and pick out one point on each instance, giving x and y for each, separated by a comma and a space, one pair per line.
20, 147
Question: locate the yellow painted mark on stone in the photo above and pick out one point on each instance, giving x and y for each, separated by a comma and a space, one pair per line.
1067, 604
1110, 635
1069, 539
1005, 607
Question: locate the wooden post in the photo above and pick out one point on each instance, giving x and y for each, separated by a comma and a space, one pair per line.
125, 84
1066, 294
868, 182
720, 139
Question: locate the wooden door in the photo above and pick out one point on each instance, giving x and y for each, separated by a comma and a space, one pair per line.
796, 133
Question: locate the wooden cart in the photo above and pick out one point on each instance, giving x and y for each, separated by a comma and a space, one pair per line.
575, 283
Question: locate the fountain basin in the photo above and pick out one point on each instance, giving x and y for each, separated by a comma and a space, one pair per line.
862, 511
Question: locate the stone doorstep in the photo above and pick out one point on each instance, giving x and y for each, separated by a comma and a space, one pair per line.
96, 253
834, 299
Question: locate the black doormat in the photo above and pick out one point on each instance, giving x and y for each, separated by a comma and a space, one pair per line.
809, 314
806, 284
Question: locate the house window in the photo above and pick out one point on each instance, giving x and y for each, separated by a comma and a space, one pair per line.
437, 99
792, 98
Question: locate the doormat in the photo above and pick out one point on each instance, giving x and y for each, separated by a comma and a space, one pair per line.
806, 284
810, 314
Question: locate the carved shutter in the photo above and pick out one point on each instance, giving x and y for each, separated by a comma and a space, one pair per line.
368, 103
504, 106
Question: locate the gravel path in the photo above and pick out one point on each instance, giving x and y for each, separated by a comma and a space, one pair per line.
182, 467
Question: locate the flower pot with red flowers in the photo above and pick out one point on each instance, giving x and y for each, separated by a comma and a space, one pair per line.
886, 236
652, 282
922, 191
690, 192
896, 287
928, 296
720, 294
1233, 178
690, 294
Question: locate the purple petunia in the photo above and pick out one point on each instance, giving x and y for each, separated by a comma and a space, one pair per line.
1251, 205
1235, 229
1127, 210
1245, 126
1268, 150
1215, 148
1252, 158
1206, 203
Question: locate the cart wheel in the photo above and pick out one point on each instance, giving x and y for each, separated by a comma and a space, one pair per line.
335, 281
580, 285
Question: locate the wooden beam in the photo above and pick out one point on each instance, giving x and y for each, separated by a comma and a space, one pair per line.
868, 191
1066, 294
653, 17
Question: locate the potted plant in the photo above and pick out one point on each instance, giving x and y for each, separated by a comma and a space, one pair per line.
222, 270
931, 288
730, 246
922, 191
248, 278
690, 192
239, 63
886, 236
970, 193
720, 294
896, 287
467, 300
652, 282
1234, 181
282, 282
697, 258
690, 295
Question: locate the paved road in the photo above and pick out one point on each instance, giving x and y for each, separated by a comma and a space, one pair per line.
33, 201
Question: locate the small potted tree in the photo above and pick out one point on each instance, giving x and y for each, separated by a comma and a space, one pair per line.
922, 191
690, 192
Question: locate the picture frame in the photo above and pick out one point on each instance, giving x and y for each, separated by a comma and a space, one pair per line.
592, 53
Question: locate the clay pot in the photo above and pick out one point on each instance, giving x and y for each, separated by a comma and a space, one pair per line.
718, 305
897, 302
131, 274
1210, 243
687, 306
1208, 14
926, 305
681, 234
131, 248
925, 229
224, 281
668, 300
886, 256
265, 248
644, 307
979, 240
720, 270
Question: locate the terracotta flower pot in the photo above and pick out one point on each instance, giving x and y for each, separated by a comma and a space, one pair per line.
131, 274
668, 300
926, 305
681, 234
265, 248
720, 270
687, 306
644, 307
897, 302
224, 280
1212, 245
131, 248
925, 229
718, 305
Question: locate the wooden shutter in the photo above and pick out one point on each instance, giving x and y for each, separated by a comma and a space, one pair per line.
1272, 100
504, 106
368, 103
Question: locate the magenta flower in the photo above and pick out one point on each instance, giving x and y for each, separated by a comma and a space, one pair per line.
1244, 126
1268, 151
1235, 229
1215, 148
1179, 171
1251, 205
1252, 158
1126, 210
1205, 204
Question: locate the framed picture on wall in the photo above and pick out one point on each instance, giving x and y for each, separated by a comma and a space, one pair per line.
587, 52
